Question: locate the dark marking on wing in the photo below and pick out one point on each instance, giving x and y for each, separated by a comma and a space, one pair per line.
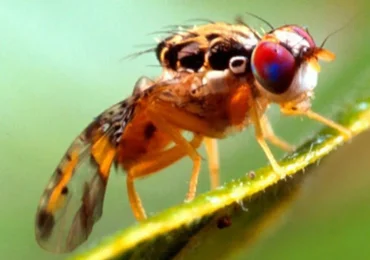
73, 200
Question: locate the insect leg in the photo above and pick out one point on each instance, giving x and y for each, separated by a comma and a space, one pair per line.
135, 202
163, 125
313, 115
213, 161
151, 164
256, 118
271, 136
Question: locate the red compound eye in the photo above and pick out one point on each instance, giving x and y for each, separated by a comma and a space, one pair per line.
273, 66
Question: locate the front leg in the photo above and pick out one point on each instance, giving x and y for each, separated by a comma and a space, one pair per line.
294, 111
270, 135
260, 136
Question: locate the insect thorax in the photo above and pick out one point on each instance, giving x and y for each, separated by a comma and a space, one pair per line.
207, 47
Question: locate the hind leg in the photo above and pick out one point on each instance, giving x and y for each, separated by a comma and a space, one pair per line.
149, 165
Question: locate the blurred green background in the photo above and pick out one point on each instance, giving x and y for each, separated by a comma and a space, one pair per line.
60, 66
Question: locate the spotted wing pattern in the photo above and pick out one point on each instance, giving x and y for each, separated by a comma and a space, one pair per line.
73, 200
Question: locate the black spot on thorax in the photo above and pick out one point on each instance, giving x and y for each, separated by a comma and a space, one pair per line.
149, 130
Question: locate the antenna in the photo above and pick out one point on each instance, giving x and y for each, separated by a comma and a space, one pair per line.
337, 30
261, 19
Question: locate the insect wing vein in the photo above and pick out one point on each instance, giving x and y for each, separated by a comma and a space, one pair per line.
73, 200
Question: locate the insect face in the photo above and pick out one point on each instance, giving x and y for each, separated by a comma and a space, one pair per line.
285, 63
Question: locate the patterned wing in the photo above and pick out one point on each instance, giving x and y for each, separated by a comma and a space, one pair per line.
73, 200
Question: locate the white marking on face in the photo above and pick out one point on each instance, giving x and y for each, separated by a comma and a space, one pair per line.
293, 40
305, 78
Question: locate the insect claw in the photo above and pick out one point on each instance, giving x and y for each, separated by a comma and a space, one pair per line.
279, 171
347, 133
